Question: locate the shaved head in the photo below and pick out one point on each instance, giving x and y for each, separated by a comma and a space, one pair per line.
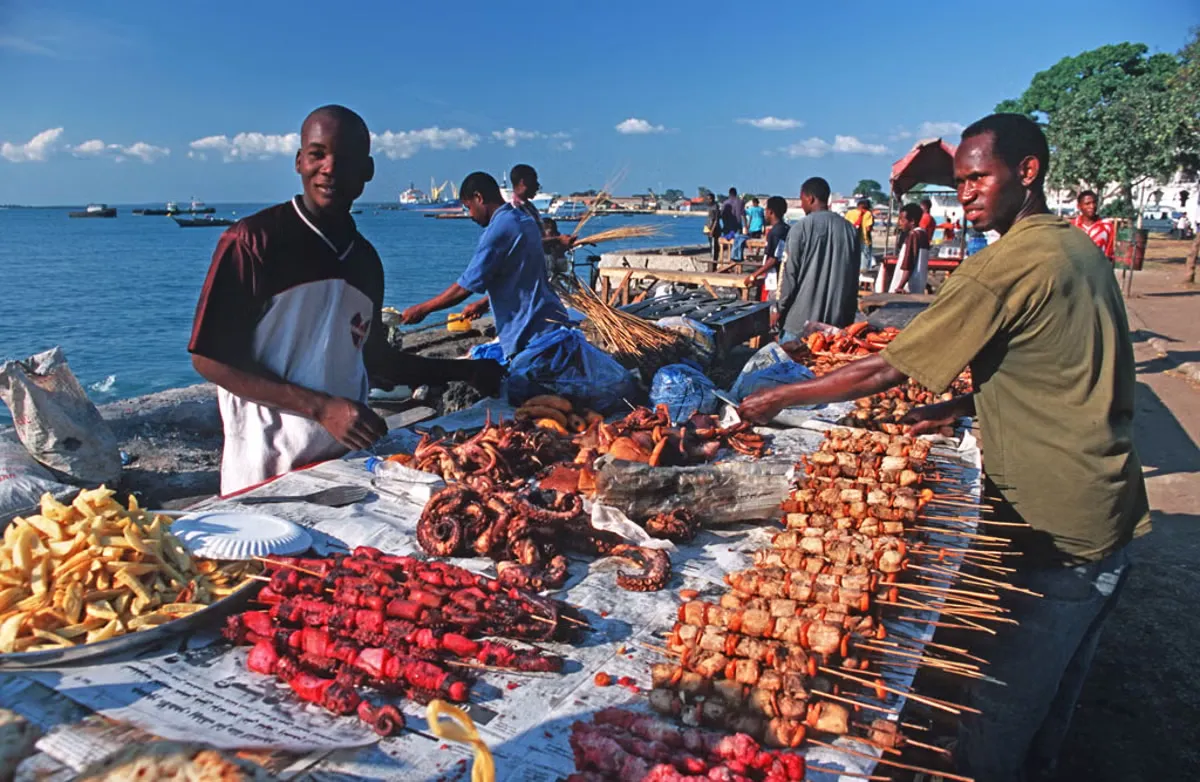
349, 123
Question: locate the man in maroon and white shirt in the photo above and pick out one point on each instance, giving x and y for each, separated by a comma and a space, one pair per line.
289, 320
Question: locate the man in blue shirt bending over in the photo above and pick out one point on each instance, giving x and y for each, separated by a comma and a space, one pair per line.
509, 267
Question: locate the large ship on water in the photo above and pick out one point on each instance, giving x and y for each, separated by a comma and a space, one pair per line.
443, 196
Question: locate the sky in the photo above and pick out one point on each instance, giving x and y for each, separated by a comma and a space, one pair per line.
131, 102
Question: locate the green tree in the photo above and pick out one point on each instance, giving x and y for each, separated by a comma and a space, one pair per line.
869, 188
703, 192
1102, 111
672, 195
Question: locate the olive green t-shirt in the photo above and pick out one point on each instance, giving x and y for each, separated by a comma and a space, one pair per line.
1039, 318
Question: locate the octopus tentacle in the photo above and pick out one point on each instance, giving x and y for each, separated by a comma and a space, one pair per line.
655, 564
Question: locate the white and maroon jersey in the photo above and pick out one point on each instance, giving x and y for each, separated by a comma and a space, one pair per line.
281, 295
1102, 233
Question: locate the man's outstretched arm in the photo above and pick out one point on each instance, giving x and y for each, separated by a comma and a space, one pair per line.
857, 379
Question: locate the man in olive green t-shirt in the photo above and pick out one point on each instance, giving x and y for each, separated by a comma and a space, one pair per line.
1039, 319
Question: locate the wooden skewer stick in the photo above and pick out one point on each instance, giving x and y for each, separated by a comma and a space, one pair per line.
914, 727
991, 568
952, 708
852, 702
922, 658
290, 566
960, 534
958, 602
982, 580
962, 625
930, 747
935, 590
896, 764
980, 520
943, 647
961, 504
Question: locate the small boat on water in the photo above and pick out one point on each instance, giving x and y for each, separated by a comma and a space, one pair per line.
568, 210
195, 208
205, 221
95, 210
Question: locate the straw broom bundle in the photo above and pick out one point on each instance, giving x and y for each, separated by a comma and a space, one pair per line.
628, 232
633, 342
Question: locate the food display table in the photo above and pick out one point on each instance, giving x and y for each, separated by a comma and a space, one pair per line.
196, 687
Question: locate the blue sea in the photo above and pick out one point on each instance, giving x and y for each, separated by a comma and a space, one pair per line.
118, 294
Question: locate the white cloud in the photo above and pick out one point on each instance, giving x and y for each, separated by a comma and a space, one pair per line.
511, 136
245, 146
772, 123
636, 126
819, 147
940, 129
565, 146
812, 147
147, 153
406, 143
851, 145
36, 150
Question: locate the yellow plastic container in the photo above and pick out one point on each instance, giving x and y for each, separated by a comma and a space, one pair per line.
456, 322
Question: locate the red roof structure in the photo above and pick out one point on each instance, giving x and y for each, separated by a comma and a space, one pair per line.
929, 162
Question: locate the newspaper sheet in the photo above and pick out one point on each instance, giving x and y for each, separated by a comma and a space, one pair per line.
200, 690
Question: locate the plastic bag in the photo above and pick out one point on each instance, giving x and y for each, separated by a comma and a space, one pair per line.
57, 423
563, 362
685, 390
22, 480
490, 350
721, 493
768, 368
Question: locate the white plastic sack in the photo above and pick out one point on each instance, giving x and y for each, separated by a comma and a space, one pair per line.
22, 480
56, 421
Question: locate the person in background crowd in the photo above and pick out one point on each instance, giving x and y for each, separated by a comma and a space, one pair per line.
713, 226
819, 282
556, 253
950, 229
754, 219
927, 223
525, 187
733, 214
1102, 232
776, 237
863, 220
1038, 316
912, 261
1183, 227
509, 266
289, 325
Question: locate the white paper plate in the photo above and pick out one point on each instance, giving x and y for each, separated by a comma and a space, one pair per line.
232, 535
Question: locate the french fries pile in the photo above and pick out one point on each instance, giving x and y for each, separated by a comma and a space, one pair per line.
557, 414
93, 570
